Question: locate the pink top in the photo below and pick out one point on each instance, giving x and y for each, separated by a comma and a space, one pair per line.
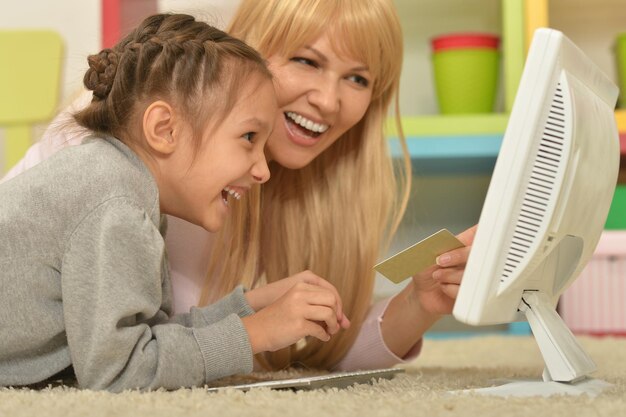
188, 247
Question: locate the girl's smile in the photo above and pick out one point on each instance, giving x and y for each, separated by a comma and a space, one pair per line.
234, 192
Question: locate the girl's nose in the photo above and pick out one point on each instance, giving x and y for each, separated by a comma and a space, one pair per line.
260, 171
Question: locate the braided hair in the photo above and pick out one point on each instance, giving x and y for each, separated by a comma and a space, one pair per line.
171, 57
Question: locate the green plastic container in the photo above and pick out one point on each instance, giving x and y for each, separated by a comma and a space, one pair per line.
620, 57
616, 219
466, 68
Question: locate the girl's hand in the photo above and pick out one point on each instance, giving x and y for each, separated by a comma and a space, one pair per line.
437, 287
261, 297
303, 310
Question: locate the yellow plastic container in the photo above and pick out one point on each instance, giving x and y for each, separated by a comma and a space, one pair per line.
620, 57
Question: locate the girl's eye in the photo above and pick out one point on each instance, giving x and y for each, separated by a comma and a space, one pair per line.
249, 136
305, 61
359, 80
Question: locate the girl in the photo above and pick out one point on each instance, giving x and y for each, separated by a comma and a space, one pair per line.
334, 199
182, 112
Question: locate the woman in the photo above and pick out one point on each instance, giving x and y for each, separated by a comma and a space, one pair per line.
334, 199
334, 202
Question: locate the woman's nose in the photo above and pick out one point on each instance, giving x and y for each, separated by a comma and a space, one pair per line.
325, 95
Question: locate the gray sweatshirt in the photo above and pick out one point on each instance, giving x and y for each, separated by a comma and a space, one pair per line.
84, 281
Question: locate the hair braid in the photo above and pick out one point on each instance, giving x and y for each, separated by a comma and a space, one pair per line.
101, 73
170, 57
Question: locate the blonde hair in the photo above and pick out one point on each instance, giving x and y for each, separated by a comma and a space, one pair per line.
334, 216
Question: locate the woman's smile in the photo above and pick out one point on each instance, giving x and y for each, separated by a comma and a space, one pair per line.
302, 130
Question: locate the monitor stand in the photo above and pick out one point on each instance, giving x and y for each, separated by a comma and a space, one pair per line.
567, 364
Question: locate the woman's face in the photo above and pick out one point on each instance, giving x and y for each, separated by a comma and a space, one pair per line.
320, 96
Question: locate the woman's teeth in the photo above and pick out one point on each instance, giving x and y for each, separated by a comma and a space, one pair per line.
306, 123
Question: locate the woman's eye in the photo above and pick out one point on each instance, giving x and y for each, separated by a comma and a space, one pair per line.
305, 61
249, 136
359, 80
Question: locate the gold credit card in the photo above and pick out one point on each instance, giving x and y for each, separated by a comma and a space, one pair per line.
418, 257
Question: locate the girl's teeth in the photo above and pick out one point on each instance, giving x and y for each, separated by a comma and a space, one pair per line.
232, 192
306, 123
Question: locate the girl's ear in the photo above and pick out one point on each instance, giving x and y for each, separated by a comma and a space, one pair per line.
159, 126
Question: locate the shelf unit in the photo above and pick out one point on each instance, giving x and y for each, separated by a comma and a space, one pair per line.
456, 144
470, 143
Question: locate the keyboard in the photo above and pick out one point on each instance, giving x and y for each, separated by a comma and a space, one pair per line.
331, 380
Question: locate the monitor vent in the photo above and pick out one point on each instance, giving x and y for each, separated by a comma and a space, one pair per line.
540, 186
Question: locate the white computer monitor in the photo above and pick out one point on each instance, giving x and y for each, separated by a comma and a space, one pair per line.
547, 201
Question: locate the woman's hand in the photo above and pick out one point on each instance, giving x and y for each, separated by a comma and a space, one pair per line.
437, 287
430, 295
304, 309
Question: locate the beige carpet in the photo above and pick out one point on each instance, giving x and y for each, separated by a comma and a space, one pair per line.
421, 391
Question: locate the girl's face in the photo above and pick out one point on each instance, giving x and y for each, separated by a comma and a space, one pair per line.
320, 96
230, 160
